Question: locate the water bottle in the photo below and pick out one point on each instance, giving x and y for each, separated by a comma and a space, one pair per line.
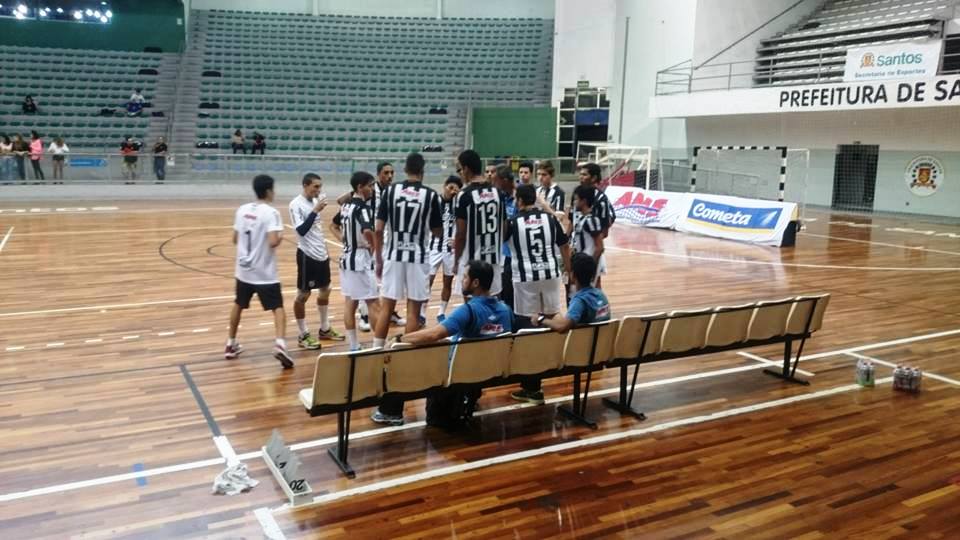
869, 374
898, 378
917, 379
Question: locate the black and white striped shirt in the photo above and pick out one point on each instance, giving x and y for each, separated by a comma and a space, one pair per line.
444, 242
356, 217
585, 229
604, 210
535, 236
553, 195
410, 211
483, 208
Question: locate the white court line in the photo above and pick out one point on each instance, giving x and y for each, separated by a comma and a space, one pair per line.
884, 244
200, 330
772, 363
97, 340
330, 440
15, 348
226, 450
581, 443
5, 212
124, 231
130, 337
110, 479
163, 334
789, 265
54, 345
271, 530
116, 306
882, 344
940, 378
5, 238
325, 239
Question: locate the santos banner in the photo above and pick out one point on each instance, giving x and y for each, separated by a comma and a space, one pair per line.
900, 61
746, 220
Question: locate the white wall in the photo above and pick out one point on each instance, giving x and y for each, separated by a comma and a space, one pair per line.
391, 8
720, 23
582, 43
661, 34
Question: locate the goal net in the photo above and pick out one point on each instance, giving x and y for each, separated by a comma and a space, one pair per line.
621, 165
771, 173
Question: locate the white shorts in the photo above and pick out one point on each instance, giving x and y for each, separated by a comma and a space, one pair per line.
495, 288
532, 298
441, 258
406, 280
359, 285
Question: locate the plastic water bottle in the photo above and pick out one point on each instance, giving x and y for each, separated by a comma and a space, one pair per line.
869, 374
916, 380
899, 378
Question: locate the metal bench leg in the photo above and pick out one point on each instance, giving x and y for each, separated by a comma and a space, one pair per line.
786, 373
339, 454
623, 405
576, 412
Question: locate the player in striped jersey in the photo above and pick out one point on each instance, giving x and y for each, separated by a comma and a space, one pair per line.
503, 180
550, 196
313, 261
588, 231
602, 208
357, 280
408, 216
535, 236
481, 216
441, 252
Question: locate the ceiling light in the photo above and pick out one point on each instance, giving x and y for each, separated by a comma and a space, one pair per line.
104, 19
89, 13
22, 9
78, 15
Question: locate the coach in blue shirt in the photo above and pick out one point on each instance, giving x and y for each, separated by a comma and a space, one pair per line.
482, 316
588, 305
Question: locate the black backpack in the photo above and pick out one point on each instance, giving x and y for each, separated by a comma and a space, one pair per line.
451, 409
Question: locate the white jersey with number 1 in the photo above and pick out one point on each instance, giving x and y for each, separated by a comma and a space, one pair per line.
256, 262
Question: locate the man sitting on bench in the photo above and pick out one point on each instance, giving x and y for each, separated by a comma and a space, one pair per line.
588, 305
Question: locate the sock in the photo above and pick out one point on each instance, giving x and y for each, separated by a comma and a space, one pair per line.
363, 309
231, 342
423, 310
378, 343
302, 325
443, 308
281, 342
352, 337
324, 317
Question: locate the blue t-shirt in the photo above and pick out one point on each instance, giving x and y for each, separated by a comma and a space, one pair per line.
589, 305
482, 316
511, 204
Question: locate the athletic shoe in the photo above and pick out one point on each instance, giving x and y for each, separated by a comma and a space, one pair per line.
381, 418
530, 397
308, 342
281, 354
422, 321
364, 324
232, 351
397, 320
331, 335
441, 317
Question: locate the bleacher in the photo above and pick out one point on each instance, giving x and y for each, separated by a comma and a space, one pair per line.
815, 49
72, 86
359, 85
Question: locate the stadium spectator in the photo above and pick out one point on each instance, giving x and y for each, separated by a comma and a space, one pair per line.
160, 159
29, 105
130, 150
588, 305
237, 142
135, 103
20, 151
36, 153
58, 148
259, 143
136, 97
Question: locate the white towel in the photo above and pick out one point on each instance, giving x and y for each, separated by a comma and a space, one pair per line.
233, 480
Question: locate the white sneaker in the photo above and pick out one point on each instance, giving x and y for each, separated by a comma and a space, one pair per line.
364, 323
283, 356
397, 320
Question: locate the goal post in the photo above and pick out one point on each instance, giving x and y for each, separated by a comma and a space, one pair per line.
620, 164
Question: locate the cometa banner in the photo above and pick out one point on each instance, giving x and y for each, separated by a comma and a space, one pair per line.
752, 221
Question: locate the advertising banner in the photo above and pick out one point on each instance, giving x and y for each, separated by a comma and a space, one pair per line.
635, 206
897, 61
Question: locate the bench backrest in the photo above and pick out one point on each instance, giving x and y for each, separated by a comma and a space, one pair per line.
331, 377
685, 330
801, 313
410, 369
536, 351
631, 334
770, 318
479, 360
729, 325
580, 343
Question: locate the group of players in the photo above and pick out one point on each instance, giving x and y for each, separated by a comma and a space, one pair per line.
396, 236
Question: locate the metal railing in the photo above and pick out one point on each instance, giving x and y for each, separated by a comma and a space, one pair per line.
198, 168
684, 78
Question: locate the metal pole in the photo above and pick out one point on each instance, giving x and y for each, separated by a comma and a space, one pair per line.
623, 79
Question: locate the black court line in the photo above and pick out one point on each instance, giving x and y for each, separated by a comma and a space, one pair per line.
200, 402
104, 373
185, 266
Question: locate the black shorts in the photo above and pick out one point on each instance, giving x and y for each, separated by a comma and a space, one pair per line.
269, 294
311, 273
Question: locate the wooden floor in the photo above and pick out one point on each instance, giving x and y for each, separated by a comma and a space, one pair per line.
113, 389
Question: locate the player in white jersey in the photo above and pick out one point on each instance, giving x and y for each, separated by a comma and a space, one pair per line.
408, 218
441, 251
525, 172
257, 231
358, 282
549, 195
481, 216
313, 261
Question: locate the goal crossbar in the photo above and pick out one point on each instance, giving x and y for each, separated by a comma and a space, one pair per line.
783, 163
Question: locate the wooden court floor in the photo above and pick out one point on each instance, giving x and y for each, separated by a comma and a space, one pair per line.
117, 408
